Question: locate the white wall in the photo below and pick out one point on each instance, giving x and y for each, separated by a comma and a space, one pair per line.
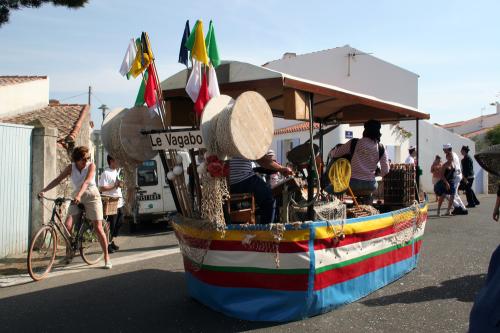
431, 139
368, 74
24, 97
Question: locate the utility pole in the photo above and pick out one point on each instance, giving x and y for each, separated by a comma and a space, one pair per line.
90, 94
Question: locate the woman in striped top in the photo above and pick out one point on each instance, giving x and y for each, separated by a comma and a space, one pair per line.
365, 159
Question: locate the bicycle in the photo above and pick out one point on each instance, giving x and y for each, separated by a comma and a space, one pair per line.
44, 245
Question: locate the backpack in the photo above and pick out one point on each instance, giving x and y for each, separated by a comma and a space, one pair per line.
325, 181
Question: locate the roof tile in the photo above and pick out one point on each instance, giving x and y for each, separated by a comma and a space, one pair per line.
7, 80
66, 118
295, 128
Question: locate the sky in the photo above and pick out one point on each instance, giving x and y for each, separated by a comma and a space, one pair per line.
453, 45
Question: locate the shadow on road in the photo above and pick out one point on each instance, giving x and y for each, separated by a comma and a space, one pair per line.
463, 289
147, 300
150, 248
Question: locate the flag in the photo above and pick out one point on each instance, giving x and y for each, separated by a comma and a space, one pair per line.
213, 84
143, 57
153, 111
139, 100
203, 97
128, 59
190, 41
211, 45
183, 52
194, 82
151, 87
199, 51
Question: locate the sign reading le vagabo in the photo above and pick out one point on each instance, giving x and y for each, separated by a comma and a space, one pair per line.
177, 140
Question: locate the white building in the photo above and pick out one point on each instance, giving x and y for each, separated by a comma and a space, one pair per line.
357, 71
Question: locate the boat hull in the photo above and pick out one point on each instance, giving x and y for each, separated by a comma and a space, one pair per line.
245, 272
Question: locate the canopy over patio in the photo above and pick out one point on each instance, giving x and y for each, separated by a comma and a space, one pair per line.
289, 97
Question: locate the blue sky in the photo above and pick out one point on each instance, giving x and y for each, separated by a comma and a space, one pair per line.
453, 45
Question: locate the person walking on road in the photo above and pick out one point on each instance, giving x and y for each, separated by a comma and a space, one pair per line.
110, 185
468, 177
436, 171
445, 187
85, 192
457, 201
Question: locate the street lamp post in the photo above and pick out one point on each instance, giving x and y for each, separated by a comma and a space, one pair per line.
103, 107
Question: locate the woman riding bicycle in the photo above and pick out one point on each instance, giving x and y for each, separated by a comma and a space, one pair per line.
85, 192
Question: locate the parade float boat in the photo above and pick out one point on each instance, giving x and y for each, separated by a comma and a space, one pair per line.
318, 257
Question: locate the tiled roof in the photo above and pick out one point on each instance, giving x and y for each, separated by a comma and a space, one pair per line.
67, 118
295, 128
478, 132
11, 80
460, 123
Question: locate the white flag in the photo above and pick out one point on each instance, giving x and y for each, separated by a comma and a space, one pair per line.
128, 59
194, 82
154, 111
213, 84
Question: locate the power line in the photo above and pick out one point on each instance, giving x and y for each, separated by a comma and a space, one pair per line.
93, 94
64, 99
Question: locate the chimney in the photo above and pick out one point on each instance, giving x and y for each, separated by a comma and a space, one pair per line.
288, 55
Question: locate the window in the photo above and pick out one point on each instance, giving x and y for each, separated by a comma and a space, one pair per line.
147, 174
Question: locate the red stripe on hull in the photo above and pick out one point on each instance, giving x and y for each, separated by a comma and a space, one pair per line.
355, 270
275, 281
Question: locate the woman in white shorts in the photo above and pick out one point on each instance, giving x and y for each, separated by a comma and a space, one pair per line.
85, 192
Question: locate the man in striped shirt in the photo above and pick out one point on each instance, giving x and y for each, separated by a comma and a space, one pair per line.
242, 179
365, 159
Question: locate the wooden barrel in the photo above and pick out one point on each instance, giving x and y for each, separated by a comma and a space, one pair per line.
244, 127
122, 138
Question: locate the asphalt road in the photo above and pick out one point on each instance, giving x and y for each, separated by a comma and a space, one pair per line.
150, 295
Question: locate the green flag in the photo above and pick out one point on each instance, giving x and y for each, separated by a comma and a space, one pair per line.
139, 101
192, 36
211, 44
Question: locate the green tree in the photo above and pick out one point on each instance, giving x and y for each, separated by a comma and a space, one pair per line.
493, 136
7, 5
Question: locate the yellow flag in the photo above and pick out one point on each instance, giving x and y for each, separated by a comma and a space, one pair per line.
141, 61
199, 51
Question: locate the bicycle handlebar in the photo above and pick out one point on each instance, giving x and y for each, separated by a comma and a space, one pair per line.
60, 199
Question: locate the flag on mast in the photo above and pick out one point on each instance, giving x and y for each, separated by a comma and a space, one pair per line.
128, 59
142, 59
199, 51
213, 83
184, 52
190, 41
211, 46
151, 88
139, 100
194, 82
203, 97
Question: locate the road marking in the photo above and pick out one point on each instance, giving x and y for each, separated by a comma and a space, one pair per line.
13, 280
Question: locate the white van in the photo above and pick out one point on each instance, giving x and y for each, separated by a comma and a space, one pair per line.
154, 199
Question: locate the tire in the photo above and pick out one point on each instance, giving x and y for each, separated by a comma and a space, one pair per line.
90, 248
42, 253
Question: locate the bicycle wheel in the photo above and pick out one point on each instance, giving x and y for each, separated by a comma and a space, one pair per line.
42, 252
90, 248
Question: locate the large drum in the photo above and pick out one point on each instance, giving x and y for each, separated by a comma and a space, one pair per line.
238, 128
122, 137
